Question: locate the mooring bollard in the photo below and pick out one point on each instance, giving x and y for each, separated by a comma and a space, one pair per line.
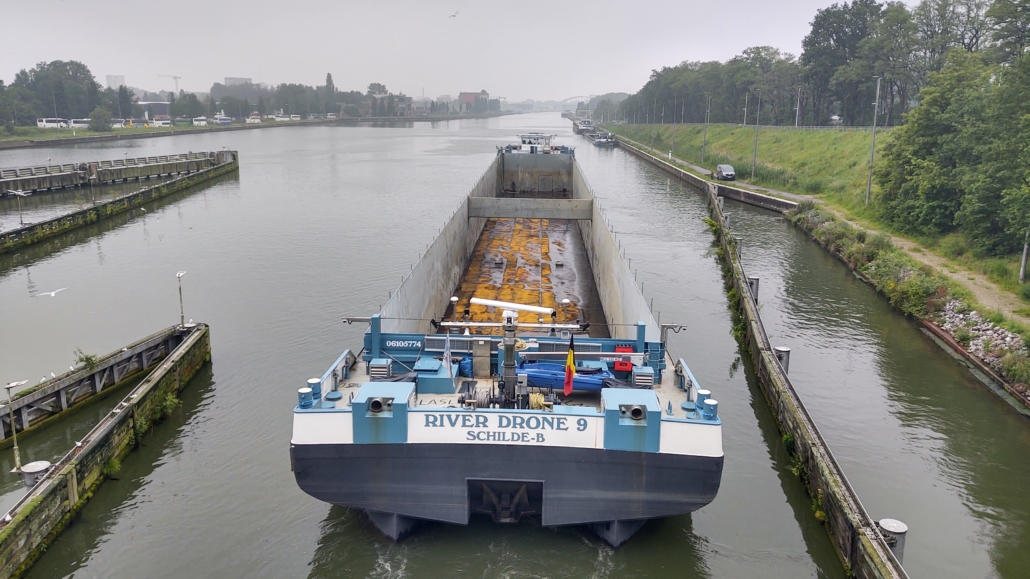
752, 284
783, 355
894, 532
740, 242
726, 219
33, 472
719, 199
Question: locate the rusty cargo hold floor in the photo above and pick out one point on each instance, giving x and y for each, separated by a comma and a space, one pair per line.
536, 262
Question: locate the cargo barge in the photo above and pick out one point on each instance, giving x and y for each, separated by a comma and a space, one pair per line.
517, 373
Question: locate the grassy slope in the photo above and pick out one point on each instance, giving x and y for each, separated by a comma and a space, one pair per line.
829, 165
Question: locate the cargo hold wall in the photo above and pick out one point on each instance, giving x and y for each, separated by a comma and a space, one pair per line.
623, 302
425, 292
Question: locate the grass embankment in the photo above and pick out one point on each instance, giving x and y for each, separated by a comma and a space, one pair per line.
829, 165
922, 292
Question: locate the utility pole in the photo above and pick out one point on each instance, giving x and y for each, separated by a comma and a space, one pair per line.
747, 94
704, 139
663, 113
758, 121
872, 146
797, 116
1022, 264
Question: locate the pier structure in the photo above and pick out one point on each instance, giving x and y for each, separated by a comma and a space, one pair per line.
48, 400
49, 178
59, 491
220, 163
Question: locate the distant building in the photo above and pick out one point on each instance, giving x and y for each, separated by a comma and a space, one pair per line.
467, 101
115, 80
444, 98
234, 80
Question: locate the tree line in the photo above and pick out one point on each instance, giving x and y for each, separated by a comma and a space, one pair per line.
834, 79
953, 75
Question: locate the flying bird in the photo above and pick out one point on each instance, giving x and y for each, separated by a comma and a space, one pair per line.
51, 294
455, 15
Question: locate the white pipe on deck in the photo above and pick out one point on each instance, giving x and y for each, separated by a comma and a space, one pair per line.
511, 306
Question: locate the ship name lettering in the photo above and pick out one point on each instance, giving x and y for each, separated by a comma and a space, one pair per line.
494, 436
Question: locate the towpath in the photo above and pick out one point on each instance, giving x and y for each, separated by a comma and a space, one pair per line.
985, 292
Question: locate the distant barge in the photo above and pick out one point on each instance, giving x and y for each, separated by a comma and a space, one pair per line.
455, 403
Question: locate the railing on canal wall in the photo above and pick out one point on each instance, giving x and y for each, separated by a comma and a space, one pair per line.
102, 172
864, 551
221, 163
49, 506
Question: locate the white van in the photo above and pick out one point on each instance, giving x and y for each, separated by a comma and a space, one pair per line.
294, 117
200, 122
79, 123
161, 123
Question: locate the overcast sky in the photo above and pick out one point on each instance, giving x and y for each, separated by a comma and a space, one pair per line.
523, 49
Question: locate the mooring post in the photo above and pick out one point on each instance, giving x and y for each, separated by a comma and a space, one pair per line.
726, 218
720, 200
740, 242
752, 284
783, 355
894, 532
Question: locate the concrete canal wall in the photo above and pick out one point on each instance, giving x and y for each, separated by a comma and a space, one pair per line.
102, 172
223, 162
32, 525
863, 551
49, 400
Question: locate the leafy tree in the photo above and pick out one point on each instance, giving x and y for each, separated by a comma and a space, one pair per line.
125, 102
68, 86
376, 88
1010, 20
100, 120
928, 162
187, 106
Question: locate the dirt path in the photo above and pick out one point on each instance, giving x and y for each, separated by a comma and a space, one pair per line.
984, 291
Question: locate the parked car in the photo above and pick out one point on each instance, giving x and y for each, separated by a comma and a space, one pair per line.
725, 173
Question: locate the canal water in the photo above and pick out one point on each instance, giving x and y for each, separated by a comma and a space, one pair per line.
323, 222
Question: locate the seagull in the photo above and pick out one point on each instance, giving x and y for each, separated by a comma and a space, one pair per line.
43, 379
144, 209
52, 375
51, 294
455, 14
71, 368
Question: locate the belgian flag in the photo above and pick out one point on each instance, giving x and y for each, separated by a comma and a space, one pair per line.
570, 368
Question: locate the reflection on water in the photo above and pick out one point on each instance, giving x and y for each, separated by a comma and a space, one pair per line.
918, 436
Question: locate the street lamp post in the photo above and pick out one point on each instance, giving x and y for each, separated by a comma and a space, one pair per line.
797, 115
1022, 264
872, 146
704, 139
19, 194
747, 94
182, 315
14, 429
758, 121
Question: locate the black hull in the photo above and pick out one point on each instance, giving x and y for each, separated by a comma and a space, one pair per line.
401, 484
